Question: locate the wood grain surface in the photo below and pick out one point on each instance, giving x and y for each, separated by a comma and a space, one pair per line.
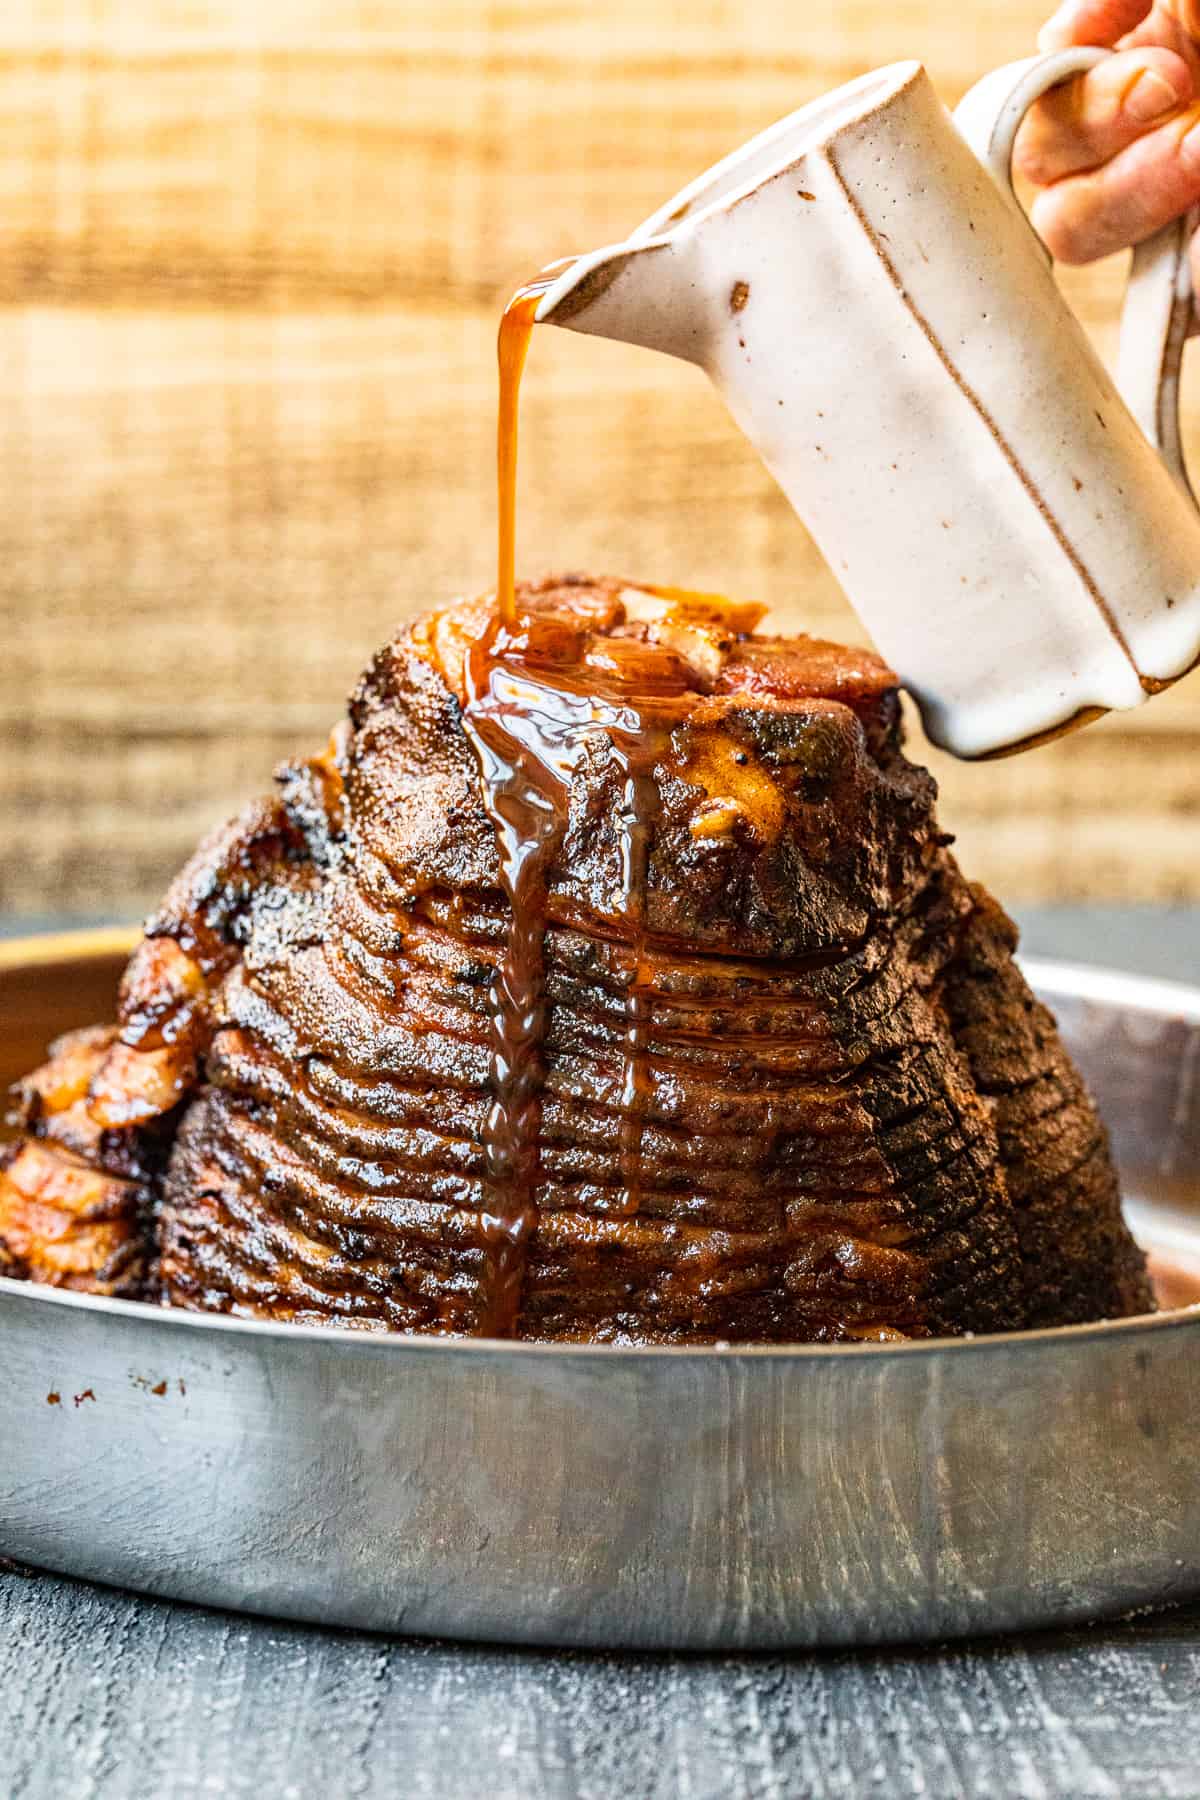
108, 1697
250, 265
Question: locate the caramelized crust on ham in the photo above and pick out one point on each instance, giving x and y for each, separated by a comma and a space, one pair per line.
849, 1119
75, 1198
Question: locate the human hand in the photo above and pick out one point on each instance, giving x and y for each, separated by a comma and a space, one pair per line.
1116, 152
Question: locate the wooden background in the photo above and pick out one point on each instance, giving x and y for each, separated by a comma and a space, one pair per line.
251, 257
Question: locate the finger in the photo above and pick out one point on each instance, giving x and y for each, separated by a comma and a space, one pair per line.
1174, 24
1091, 22
1185, 14
1083, 123
1141, 189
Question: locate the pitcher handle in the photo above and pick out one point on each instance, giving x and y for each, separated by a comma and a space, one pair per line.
1159, 299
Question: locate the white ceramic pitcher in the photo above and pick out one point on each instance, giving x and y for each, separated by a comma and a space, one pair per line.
864, 290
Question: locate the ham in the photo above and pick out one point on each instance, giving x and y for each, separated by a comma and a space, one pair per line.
607, 978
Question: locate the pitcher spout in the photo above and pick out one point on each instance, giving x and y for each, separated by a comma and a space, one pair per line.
637, 292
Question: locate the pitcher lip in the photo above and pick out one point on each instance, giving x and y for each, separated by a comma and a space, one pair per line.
848, 105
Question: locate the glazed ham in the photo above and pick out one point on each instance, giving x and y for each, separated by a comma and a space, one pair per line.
605, 979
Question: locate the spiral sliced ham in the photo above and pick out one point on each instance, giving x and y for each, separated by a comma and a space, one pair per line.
612, 981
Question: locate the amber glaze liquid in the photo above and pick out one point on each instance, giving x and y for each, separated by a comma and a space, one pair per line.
531, 723
529, 719
527, 813
641, 802
512, 347
525, 818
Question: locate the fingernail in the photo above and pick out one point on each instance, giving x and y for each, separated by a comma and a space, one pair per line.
1151, 97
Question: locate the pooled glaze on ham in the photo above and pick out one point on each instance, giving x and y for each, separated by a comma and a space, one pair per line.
778, 1079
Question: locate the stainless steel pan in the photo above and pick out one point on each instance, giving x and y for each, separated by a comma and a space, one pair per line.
701, 1499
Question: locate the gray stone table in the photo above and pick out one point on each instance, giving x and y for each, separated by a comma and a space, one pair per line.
105, 1694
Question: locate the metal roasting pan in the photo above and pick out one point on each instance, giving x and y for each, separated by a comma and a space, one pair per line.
699, 1499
